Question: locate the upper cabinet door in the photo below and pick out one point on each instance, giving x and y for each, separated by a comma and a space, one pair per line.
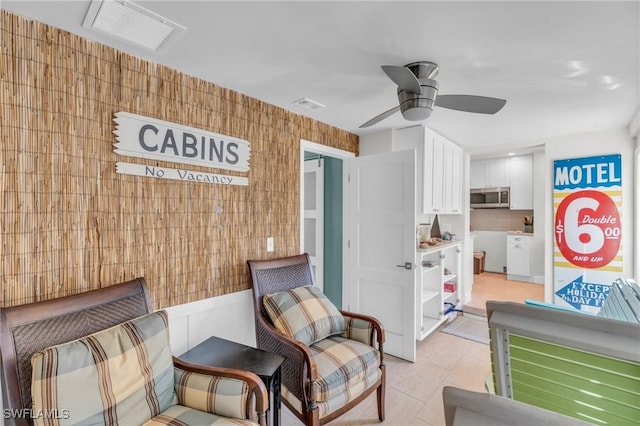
490, 173
434, 190
454, 173
522, 182
476, 174
497, 172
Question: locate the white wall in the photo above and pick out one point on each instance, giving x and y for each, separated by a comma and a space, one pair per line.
634, 132
540, 224
376, 143
229, 316
584, 145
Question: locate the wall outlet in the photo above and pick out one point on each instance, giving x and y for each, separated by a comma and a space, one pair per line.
269, 244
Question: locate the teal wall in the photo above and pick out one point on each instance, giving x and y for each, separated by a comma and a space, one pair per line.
333, 230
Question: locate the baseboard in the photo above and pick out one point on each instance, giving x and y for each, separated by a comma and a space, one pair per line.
474, 312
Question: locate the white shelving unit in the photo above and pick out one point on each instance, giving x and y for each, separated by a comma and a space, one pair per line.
437, 267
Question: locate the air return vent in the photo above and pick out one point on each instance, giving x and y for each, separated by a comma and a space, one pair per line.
308, 103
133, 24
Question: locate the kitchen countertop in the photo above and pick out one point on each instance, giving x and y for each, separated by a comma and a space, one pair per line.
439, 246
530, 234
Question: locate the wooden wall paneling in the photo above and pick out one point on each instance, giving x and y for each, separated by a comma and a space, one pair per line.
70, 223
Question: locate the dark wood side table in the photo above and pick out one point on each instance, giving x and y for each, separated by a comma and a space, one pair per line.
218, 352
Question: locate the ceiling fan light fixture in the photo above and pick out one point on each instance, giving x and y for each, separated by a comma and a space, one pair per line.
132, 24
417, 107
416, 113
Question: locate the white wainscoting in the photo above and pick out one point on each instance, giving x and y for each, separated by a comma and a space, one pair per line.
229, 316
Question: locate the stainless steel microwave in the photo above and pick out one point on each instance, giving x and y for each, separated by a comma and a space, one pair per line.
490, 198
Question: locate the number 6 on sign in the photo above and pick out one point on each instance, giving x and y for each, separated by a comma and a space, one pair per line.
587, 229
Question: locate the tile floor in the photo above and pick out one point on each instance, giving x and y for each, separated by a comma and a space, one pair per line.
493, 286
414, 390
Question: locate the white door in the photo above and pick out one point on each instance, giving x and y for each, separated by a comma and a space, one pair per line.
382, 226
314, 216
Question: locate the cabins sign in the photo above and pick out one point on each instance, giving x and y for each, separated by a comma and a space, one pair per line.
179, 174
145, 137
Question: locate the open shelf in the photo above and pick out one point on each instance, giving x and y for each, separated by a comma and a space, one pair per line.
449, 297
428, 295
430, 286
426, 269
449, 277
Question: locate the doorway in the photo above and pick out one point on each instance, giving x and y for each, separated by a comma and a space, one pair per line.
322, 222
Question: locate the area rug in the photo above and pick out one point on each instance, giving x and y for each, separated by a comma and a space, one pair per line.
467, 328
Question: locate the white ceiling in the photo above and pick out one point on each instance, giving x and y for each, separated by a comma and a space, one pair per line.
564, 67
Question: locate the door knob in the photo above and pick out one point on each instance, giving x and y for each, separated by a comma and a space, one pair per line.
407, 265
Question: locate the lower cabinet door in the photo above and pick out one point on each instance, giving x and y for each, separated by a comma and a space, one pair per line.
519, 259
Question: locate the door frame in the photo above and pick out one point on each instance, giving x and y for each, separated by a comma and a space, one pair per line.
328, 151
317, 258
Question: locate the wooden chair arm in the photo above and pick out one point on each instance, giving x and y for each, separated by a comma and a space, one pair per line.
255, 384
304, 350
377, 325
307, 358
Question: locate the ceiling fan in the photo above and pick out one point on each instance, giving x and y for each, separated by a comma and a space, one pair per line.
418, 94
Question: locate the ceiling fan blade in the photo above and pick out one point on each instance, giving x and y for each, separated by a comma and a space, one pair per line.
380, 117
403, 77
471, 103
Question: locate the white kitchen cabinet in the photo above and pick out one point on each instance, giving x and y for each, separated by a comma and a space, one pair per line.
492, 173
433, 188
498, 172
411, 138
453, 178
476, 174
519, 257
437, 286
439, 169
521, 182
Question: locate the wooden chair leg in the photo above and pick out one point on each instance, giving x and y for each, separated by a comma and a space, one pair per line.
381, 394
313, 418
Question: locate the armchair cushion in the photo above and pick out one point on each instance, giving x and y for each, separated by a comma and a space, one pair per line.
130, 364
358, 329
341, 364
221, 395
346, 368
180, 415
304, 313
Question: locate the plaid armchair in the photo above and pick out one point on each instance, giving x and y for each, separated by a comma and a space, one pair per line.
334, 359
100, 357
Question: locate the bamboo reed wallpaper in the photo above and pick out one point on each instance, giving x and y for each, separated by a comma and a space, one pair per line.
69, 223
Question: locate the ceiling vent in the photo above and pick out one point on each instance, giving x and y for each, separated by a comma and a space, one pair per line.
133, 24
308, 103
